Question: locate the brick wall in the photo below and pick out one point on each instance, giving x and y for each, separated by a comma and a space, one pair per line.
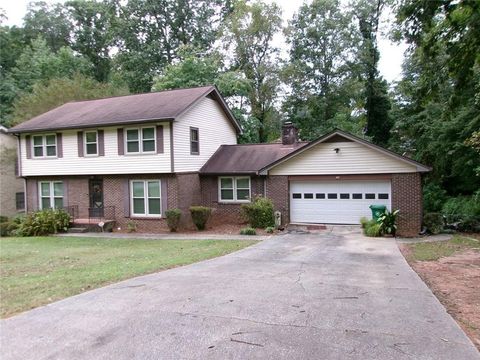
224, 212
116, 193
407, 197
188, 194
278, 190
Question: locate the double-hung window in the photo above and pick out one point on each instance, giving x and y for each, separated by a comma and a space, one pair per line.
234, 189
91, 143
51, 194
44, 145
141, 140
145, 198
194, 141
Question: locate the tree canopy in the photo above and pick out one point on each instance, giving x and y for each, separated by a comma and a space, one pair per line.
328, 77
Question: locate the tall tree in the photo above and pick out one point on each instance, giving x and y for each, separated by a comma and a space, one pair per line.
248, 34
151, 32
439, 107
50, 21
325, 90
377, 101
94, 32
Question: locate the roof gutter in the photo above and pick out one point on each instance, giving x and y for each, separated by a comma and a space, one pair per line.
89, 126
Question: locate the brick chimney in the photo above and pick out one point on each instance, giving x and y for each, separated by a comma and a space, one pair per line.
289, 133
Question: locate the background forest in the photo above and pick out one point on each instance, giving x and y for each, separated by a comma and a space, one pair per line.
329, 78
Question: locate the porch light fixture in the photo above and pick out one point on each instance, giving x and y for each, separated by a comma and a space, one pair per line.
336, 150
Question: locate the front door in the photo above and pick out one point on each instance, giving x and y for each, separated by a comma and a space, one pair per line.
96, 198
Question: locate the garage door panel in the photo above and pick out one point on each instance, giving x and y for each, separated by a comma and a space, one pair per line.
311, 202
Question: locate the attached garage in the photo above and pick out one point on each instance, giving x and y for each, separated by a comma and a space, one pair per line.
335, 179
337, 201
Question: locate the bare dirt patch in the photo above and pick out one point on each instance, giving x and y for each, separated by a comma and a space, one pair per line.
455, 280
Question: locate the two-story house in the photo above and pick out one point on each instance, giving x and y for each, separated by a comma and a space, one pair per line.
130, 158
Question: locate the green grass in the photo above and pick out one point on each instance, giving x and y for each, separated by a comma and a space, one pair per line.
435, 250
38, 270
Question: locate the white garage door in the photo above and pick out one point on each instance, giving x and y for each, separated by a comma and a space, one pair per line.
336, 202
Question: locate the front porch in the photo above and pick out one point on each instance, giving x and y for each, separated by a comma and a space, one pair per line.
100, 219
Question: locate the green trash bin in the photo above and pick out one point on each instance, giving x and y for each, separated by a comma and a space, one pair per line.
377, 210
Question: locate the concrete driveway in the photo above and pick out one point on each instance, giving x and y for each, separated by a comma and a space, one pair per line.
335, 295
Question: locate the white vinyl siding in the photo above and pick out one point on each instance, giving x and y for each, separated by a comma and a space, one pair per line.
111, 163
145, 199
214, 130
352, 158
50, 194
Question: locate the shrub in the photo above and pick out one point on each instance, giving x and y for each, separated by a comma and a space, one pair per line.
4, 228
464, 211
3, 219
259, 213
131, 226
173, 219
433, 222
200, 216
373, 229
388, 221
44, 222
363, 222
248, 231
434, 197
269, 229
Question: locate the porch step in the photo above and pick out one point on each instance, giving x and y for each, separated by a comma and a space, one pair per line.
77, 230
305, 228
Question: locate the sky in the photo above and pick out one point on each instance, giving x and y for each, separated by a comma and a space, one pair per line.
391, 55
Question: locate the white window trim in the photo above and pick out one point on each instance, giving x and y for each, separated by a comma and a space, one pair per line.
234, 181
140, 140
145, 197
51, 193
44, 146
85, 153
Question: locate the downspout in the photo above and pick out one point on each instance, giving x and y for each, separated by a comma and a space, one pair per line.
19, 165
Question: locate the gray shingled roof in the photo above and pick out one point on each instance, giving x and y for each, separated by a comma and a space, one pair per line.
246, 158
122, 110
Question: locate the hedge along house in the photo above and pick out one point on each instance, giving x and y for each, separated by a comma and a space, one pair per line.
130, 158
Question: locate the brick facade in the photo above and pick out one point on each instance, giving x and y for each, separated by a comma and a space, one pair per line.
407, 197
278, 190
185, 190
225, 212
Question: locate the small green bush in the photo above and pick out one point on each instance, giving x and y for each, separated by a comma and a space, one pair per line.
200, 216
131, 226
463, 211
269, 229
388, 221
173, 219
259, 213
4, 228
373, 229
3, 219
433, 222
364, 221
248, 231
44, 222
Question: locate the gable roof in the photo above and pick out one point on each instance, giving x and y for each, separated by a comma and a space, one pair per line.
246, 158
349, 137
124, 110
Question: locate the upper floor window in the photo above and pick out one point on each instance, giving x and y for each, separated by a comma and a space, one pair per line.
194, 141
51, 194
45, 145
234, 189
91, 143
140, 140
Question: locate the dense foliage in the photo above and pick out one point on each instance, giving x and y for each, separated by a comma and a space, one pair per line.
200, 216
329, 78
43, 222
173, 219
259, 212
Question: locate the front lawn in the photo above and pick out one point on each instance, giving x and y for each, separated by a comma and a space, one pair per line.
39, 270
429, 251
